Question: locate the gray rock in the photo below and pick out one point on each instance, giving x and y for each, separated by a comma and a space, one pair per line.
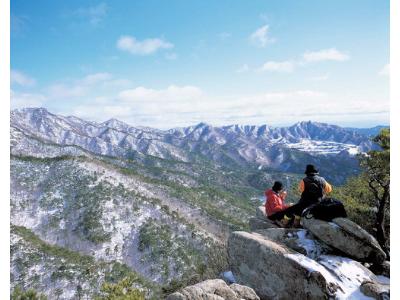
346, 236
299, 240
271, 269
260, 213
244, 292
381, 268
265, 261
214, 289
375, 290
256, 224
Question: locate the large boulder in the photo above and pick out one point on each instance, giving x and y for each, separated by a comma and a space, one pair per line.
214, 289
346, 236
381, 269
376, 290
263, 261
268, 268
299, 240
256, 224
260, 213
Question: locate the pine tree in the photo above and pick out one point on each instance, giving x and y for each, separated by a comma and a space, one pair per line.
376, 166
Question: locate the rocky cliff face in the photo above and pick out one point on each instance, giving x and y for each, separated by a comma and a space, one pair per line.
281, 263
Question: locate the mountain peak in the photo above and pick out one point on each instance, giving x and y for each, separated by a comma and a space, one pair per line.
116, 124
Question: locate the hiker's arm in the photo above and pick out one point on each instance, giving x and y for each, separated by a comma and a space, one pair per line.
301, 186
327, 188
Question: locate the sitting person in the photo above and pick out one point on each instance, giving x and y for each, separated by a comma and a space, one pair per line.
274, 204
313, 189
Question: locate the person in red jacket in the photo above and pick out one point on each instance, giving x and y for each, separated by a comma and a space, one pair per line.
274, 204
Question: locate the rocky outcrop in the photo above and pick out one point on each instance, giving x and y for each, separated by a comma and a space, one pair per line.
381, 269
321, 261
214, 289
299, 240
291, 263
375, 290
272, 270
260, 213
260, 221
346, 236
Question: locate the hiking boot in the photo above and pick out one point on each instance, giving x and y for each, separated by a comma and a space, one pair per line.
296, 222
284, 223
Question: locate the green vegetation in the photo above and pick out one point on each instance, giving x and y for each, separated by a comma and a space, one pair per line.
68, 255
159, 244
31, 294
123, 290
366, 197
61, 263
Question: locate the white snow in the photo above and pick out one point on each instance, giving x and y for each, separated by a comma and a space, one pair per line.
341, 271
312, 247
228, 276
383, 279
323, 147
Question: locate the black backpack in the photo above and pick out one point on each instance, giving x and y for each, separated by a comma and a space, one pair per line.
326, 210
313, 189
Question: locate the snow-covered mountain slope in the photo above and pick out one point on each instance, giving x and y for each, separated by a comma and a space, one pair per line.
156, 217
158, 204
235, 145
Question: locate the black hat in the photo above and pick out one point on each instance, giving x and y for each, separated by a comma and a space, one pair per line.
310, 169
277, 186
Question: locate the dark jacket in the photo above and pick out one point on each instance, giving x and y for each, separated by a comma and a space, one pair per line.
313, 188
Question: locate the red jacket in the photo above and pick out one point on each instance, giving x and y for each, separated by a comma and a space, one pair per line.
274, 202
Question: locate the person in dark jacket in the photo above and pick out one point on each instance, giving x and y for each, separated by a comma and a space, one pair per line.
313, 189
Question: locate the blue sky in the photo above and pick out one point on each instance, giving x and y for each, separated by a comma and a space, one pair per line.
176, 63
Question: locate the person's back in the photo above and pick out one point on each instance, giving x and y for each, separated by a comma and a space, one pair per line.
313, 186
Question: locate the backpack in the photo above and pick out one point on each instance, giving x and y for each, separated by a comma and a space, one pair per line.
326, 210
313, 189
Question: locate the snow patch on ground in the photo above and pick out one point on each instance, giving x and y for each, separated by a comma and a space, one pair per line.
313, 248
347, 274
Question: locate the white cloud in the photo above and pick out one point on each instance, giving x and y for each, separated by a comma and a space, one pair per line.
21, 100
243, 68
385, 71
320, 77
260, 37
95, 14
19, 78
60, 90
171, 93
187, 105
144, 47
324, 55
83, 86
278, 66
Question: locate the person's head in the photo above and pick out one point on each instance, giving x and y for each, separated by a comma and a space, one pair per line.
277, 187
311, 170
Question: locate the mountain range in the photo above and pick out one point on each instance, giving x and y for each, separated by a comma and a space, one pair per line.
94, 202
265, 147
